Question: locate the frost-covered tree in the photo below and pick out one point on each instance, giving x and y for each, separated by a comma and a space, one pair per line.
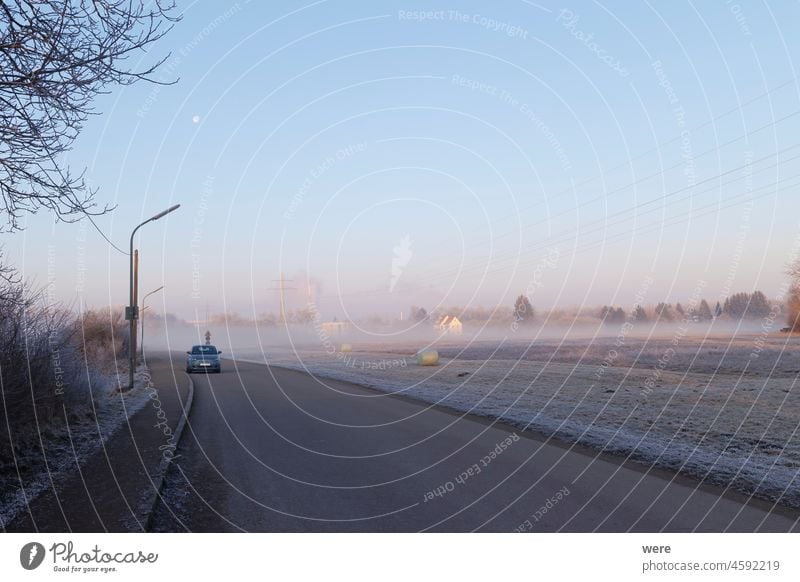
523, 310
793, 298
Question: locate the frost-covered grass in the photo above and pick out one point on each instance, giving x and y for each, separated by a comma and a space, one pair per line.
43, 455
721, 408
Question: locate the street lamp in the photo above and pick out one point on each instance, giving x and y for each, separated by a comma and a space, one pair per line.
132, 311
141, 343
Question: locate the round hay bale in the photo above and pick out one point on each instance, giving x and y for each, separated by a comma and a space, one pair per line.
427, 358
346, 348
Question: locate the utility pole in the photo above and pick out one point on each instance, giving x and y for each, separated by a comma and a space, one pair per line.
135, 321
132, 309
310, 294
281, 288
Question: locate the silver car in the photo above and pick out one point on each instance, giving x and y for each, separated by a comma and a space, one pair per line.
203, 358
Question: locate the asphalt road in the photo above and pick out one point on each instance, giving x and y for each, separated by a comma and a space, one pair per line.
268, 449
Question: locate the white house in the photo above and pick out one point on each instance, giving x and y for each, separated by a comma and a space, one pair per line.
334, 328
449, 324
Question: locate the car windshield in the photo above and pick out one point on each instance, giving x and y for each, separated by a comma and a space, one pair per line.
204, 350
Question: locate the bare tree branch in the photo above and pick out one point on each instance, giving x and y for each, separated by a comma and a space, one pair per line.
55, 57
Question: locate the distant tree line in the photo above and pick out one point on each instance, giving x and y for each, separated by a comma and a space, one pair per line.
746, 305
738, 306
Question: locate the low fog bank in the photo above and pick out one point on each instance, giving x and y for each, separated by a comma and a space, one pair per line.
329, 336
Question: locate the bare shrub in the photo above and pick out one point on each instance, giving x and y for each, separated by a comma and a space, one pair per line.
101, 337
39, 374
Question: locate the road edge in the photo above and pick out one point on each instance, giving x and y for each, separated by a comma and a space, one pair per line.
165, 463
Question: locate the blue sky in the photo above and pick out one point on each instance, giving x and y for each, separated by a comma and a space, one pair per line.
568, 149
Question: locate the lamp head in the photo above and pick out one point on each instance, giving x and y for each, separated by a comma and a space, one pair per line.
165, 212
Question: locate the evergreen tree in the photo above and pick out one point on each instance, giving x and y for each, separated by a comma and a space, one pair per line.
704, 311
418, 313
664, 312
738, 304
758, 306
741, 305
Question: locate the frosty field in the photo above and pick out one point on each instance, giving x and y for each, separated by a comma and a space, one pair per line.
721, 408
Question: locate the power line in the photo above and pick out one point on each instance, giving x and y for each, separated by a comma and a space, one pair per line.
603, 222
660, 146
97, 228
630, 162
610, 193
712, 208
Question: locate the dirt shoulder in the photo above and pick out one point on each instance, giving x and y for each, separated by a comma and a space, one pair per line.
113, 491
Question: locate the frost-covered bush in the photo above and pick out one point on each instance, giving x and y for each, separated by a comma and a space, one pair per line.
39, 375
100, 335
793, 300
52, 362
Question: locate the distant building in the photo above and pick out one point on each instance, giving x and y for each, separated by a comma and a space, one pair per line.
449, 324
334, 328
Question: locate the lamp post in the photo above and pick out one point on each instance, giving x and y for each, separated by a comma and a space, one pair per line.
132, 311
141, 343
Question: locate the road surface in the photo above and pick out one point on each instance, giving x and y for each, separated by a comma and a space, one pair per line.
269, 449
